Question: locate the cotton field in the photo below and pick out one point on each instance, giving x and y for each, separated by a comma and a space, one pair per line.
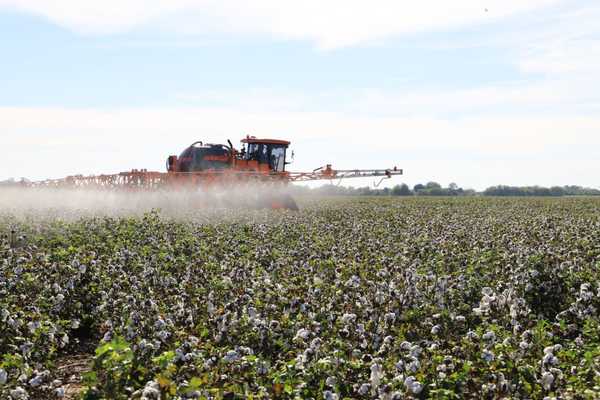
349, 298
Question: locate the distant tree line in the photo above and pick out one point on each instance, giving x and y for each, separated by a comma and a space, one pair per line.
435, 189
540, 191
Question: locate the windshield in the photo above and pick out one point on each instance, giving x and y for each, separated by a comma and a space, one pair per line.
271, 154
278, 158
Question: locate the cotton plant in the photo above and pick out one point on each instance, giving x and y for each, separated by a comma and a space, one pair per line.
390, 303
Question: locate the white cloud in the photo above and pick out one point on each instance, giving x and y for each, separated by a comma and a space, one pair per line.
329, 24
567, 43
52, 142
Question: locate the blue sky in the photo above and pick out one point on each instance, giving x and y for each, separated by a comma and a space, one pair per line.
449, 92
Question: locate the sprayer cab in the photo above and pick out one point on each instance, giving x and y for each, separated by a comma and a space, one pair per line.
271, 152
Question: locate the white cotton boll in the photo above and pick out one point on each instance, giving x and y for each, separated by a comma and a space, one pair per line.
246, 351
160, 323
534, 273
328, 395
501, 299
557, 348
412, 385
59, 392
36, 381
549, 359
302, 334
163, 335
416, 388
364, 389
330, 381
360, 328
435, 329
151, 391
489, 336
556, 372
64, 340
82, 269
179, 355
415, 351
413, 366
32, 326
353, 282
315, 344
3, 376
584, 292
487, 355
460, 318
75, 324
547, 380
348, 318
390, 318
231, 356
487, 291
376, 375
19, 393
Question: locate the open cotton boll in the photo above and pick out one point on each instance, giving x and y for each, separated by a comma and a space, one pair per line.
19, 393
302, 334
487, 355
412, 385
364, 389
547, 380
376, 375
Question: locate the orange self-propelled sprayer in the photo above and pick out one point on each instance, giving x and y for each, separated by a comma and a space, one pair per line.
203, 165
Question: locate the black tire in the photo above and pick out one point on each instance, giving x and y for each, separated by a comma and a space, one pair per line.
289, 203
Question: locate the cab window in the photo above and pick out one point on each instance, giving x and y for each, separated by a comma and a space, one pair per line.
277, 158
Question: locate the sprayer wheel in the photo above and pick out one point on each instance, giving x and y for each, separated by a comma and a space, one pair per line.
289, 203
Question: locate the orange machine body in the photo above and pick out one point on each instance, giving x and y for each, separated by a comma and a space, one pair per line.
263, 159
